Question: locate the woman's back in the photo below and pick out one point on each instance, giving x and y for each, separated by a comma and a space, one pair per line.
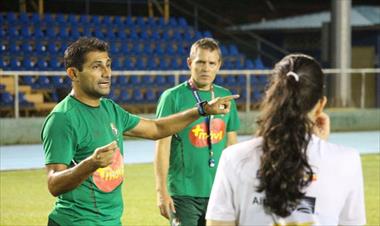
334, 196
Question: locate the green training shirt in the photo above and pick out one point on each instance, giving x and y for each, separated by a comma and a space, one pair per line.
71, 133
189, 171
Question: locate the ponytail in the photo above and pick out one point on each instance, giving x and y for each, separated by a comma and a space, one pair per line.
295, 87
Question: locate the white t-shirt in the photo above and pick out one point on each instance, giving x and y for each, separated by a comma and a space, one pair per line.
335, 197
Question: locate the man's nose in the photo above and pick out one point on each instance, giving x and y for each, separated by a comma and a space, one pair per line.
106, 72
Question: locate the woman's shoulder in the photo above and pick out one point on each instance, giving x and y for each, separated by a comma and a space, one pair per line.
244, 149
332, 151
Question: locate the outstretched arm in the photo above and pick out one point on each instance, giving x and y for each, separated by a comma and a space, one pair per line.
164, 127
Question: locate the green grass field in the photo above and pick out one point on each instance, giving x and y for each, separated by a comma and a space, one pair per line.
24, 199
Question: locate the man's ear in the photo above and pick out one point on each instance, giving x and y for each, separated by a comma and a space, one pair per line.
189, 61
72, 73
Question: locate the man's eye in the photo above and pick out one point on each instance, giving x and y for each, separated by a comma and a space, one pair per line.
95, 67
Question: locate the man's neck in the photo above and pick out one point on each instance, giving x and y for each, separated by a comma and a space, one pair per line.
85, 99
203, 88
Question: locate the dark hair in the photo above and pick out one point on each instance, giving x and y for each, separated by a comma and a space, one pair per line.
286, 131
206, 43
76, 52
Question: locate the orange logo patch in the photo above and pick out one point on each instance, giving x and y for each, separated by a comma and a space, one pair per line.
108, 178
198, 134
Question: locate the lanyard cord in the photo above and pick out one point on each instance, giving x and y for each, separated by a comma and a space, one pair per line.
208, 118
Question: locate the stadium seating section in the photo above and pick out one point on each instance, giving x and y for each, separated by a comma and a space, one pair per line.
33, 42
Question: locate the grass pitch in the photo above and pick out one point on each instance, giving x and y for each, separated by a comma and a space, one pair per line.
25, 200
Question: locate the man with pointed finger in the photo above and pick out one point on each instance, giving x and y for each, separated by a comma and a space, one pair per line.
185, 163
83, 139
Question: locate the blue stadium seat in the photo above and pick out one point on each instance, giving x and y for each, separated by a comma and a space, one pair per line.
182, 22
107, 21
233, 50
147, 80
118, 21
6, 99
137, 96
112, 95
183, 78
160, 80
72, 20
134, 81
15, 64
38, 33
27, 80
56, 81
122, 81
23, 101
60, 18
25, 32
219, 80
23, 18
150, 96
170, 80
124, 96
11, 18
48, 19
42, 82
63, 32
36, 20
74, 32
50, 32
249, 64
27, 64
13, 32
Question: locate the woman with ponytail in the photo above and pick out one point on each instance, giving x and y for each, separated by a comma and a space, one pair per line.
290, 174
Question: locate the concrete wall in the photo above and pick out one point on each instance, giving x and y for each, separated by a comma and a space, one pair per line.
27, 130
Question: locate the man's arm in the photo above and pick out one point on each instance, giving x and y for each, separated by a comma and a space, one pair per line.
62, 179
231, 138
164, 127
220, 223
161, 166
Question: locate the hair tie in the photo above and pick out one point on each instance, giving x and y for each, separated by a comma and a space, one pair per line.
295, 75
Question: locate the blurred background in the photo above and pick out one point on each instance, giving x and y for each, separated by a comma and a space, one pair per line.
149, 43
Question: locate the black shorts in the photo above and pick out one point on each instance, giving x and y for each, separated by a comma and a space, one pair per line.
190, 211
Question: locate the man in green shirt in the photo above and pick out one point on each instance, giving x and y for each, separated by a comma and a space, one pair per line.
83, 139
185, 163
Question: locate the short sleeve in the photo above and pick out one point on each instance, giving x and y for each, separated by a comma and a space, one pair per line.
166, 105
58, 139
221, 203
128, 120
353, 212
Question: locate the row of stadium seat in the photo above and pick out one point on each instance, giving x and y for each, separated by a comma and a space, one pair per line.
12, 18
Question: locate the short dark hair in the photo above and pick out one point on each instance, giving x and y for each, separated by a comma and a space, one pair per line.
75, 53
206, 43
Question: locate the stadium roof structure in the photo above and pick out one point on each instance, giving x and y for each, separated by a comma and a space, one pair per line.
361, 16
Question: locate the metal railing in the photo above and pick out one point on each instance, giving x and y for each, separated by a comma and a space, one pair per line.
177, 73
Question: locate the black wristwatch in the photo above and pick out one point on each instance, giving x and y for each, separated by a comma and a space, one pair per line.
201, 108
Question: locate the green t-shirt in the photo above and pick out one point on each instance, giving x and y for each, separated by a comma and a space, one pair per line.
189, 172
71, 133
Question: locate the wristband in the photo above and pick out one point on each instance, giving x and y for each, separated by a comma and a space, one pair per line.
201, 109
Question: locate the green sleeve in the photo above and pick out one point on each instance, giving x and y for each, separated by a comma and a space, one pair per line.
166, 105
58, 139
129, 121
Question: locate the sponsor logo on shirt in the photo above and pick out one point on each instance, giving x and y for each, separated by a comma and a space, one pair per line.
198, 134
110, 177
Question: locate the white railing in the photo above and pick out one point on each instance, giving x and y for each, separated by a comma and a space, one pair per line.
248, 73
